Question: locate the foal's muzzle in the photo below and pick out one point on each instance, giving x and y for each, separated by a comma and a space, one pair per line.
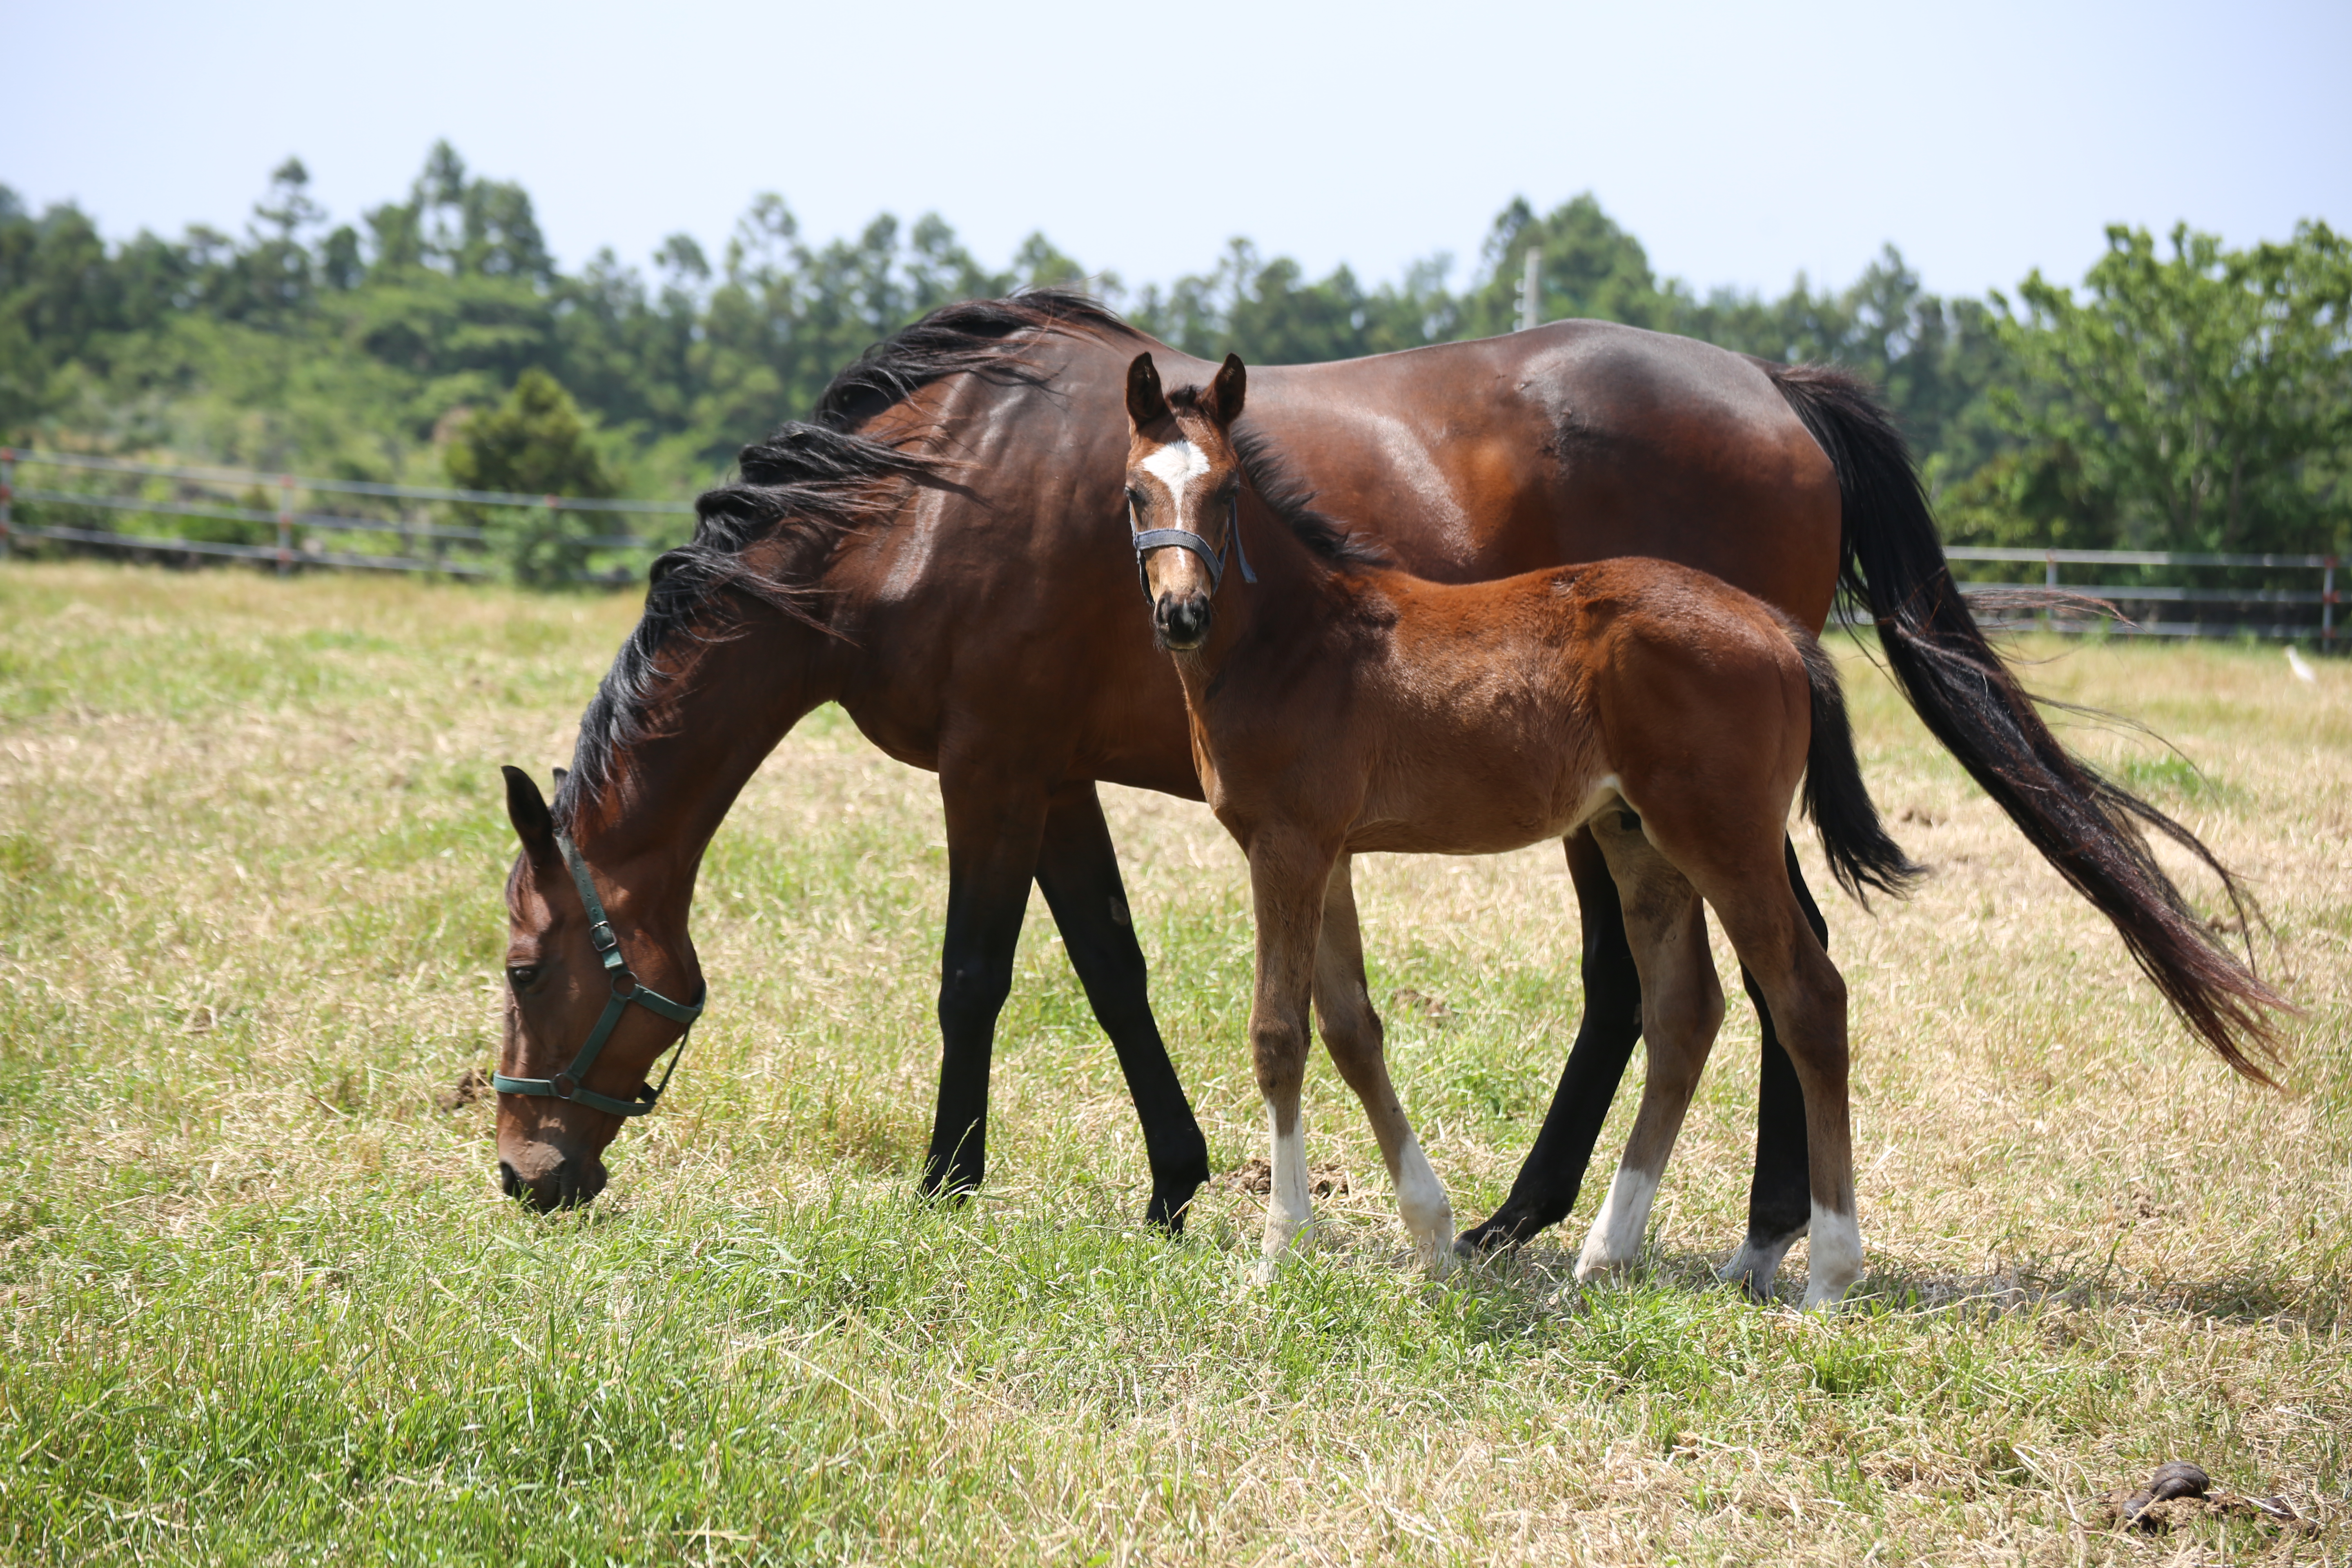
1182, 619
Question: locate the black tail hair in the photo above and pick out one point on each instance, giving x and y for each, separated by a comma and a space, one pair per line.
1861, 854
1892, 562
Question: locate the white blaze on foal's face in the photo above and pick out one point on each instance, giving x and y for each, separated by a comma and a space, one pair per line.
1176, 466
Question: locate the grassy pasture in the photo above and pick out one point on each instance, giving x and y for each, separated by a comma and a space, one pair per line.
263, 1304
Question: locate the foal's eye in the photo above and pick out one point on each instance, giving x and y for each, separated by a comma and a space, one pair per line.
520, 976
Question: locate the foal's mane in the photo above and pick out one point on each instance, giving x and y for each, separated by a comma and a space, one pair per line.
1290, 498
807, 485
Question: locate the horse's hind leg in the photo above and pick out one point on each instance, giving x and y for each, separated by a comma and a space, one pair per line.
1352, 1033
1682, 1008
1288, 875
1553, 1174
1078, 870
1780, 1199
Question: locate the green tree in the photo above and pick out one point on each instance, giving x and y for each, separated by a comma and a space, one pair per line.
535, 443
2208, 392
1590, 268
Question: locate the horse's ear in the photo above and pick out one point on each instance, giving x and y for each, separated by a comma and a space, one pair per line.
1226, 391
527, 809
1146, 403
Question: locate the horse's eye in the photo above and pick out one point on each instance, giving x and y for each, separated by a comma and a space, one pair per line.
520, 976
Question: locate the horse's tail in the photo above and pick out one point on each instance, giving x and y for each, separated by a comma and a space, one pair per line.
1861, 854
2083, 824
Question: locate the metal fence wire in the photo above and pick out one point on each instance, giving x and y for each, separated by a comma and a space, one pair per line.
355, 513
2173, 594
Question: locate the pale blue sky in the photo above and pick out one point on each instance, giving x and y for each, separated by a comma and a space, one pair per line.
1742, 144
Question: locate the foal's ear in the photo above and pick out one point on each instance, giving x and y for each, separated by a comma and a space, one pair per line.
527, 809
1146, 403
1226, 390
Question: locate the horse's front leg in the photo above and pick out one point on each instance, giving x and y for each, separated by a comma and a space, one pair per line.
1289, 874
995, 825
1352, 1034
1077, 870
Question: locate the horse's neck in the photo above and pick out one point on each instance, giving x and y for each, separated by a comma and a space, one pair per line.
713, 720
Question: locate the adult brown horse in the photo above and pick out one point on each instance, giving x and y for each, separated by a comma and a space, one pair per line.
925, 551
1339, 706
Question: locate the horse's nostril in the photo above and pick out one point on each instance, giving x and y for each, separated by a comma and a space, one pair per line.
508, 1182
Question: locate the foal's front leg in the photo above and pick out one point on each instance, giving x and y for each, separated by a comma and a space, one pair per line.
1287, 877
1352, 1034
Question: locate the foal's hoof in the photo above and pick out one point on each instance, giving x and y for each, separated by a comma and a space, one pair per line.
1266, 1271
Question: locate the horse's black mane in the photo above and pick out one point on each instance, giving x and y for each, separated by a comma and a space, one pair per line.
807, 485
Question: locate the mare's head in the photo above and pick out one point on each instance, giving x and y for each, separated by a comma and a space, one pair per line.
561, 989
1184, 481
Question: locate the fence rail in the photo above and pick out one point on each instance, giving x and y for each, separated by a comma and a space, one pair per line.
2321, 594
286, 553
410, 527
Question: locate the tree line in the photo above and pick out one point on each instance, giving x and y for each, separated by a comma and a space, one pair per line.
2184, 395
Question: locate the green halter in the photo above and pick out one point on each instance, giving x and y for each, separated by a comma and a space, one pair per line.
570, 1084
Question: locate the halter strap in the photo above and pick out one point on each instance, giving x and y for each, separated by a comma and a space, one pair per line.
570, 1083
1150, 538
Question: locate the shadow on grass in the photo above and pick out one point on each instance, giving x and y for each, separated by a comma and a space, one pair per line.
1539, 1281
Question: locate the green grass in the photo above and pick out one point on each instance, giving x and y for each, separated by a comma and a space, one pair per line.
263, 1304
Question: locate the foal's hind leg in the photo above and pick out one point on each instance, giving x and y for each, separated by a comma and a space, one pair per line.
1808, 1001
1552, 1176
1780, 1198
1352, 1033
1682, 1008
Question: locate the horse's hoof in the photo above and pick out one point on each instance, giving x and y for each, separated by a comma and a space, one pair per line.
1165, 1213
1265, 1271
1502, 1231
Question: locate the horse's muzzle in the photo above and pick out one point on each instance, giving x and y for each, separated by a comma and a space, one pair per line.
573, 1183
1181, 620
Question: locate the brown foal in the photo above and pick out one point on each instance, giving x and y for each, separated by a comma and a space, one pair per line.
1339, 706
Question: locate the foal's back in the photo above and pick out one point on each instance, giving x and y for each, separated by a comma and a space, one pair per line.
1487, 716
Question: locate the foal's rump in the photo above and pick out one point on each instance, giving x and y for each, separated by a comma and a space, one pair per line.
1711, 704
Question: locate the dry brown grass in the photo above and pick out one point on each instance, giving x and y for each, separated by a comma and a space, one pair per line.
264, 1301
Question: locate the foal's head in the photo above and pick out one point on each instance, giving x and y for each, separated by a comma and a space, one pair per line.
1184, 481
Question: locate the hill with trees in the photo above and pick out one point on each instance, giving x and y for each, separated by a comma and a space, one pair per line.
2186, 396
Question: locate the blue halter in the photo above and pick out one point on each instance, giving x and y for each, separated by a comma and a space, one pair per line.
1150, 538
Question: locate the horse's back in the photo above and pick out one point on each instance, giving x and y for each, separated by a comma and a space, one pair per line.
1570, 442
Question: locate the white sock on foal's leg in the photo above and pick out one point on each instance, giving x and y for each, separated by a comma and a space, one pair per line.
1289, 1208
1615, 1239
1428, 1216
1837, 1257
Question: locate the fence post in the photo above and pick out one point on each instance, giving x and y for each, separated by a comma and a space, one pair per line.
285, 524
7, 501
1531, 292
2326, 599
